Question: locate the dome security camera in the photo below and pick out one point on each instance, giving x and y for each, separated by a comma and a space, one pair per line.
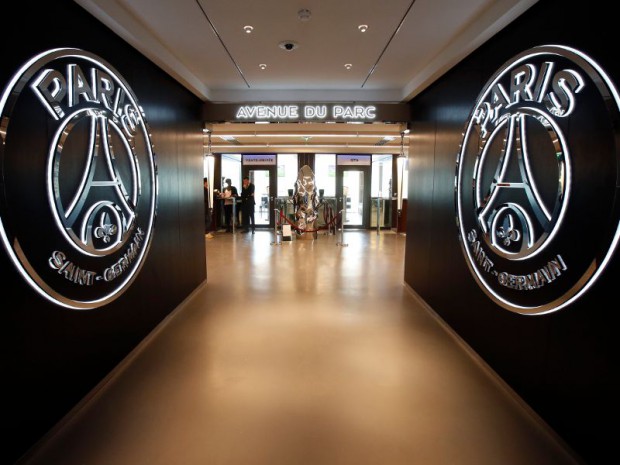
288, 45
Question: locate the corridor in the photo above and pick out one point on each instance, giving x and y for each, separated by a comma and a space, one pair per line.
307, 352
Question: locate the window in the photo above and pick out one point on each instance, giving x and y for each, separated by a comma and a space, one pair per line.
231, 169
288, 167
381, 176
325, 173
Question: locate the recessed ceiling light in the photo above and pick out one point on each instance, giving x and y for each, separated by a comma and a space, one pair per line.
363, 27
262, 66
348, 66
304, 14
248, 29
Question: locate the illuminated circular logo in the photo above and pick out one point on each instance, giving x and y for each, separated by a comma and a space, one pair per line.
79, 178
536, 186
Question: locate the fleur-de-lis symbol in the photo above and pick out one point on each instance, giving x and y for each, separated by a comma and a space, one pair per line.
507, 231
106, 230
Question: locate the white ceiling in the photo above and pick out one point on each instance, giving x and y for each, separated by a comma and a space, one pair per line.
408, 44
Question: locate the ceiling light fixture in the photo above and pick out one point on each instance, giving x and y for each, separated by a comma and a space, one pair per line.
248, 29
363, 27
230, 139
348, 66
360, 134
386, 140
262, 66
304, 14
223, 148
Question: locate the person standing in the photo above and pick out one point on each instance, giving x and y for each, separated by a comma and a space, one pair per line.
229, 194
247, 205
208, 210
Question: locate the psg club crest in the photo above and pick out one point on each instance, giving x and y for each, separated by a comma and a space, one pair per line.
79, 178
536, 187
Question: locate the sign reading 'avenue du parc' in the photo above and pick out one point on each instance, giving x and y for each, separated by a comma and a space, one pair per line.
317, 112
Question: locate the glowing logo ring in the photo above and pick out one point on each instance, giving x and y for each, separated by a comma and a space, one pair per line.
550, 190
56, 172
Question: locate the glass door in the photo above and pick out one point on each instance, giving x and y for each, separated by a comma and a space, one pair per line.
381, 191
264, 180
353, 188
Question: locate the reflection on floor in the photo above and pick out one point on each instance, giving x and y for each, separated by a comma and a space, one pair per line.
303, 353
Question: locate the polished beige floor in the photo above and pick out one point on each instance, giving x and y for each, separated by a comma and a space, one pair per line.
304, 353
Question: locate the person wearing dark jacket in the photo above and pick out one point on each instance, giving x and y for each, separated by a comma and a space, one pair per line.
247, 205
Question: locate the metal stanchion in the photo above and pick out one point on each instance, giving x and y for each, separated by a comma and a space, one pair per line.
342, 243
278, 240
378, 215
234, 214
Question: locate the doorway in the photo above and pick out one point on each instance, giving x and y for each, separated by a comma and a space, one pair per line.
264, 179
353, 188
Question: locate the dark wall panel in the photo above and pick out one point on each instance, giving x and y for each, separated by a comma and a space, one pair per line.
52, 356
563, 364
420, 205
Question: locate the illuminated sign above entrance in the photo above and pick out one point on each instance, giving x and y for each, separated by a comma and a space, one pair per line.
537, 184
308, 112
318, 112
259, 159
353, 159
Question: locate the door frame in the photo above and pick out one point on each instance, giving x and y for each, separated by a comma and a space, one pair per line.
273, 188
367, 173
